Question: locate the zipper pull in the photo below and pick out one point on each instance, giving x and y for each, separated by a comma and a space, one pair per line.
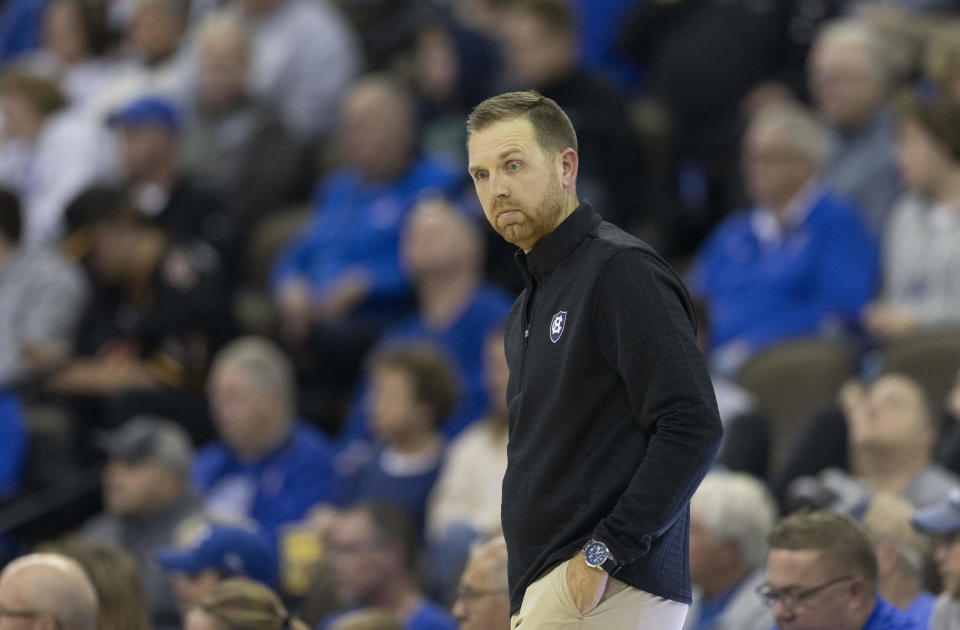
526, 333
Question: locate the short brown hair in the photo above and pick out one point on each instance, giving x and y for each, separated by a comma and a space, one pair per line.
243, 604
552, 127
937, 114
432, 373
840, 541
368, 619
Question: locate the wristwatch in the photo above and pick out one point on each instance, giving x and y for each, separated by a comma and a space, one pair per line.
598, 556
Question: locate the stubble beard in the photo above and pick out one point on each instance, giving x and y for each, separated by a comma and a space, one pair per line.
538, 221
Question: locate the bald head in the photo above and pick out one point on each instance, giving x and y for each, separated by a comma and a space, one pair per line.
52, 586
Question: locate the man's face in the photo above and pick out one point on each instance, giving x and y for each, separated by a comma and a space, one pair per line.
947, 556
146, 148
482, 601
189, 590
799, 571
707, 554
774, 170
241, 409
923, 162
154, 32
891, 416
13, 598
223, 71
535, 53
377, 132
394, 409
362, 565
434, 239
518, 184
844, 84
134, 488
64, 32
199, 619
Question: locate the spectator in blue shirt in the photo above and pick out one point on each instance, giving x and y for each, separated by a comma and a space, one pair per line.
412, 390
799, 260
372, 552
340, 281
267, 466
442, 251
822, 575
13, 438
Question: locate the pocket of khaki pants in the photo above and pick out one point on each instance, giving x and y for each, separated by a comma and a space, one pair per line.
569, 594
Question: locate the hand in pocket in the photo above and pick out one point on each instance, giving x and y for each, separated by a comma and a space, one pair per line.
586, 584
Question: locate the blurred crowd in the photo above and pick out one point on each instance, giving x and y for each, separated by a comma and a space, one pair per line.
251, 314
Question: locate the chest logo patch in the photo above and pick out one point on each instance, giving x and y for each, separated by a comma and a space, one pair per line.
556, 326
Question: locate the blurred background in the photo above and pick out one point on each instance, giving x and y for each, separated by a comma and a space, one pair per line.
245, 281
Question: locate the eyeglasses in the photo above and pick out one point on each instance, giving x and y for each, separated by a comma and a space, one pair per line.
790, 599
465, 593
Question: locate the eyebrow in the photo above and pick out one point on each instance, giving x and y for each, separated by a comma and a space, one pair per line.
514, 149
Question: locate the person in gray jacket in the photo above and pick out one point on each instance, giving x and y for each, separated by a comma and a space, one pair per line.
731, 515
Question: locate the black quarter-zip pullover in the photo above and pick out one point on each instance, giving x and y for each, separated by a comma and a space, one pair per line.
613, 420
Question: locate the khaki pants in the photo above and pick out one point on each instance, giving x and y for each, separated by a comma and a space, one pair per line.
548, 605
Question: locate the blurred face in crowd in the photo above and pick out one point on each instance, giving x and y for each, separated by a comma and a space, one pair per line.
377, 130
64, 32
147, 149
21, 118
947, 556
247, 415
775, 171
924, 162
223, 71
520, 185
189, 590
535, 52
437, 65
833, 607
155, 31
138, 488
113, 245
891, 416
363, 566
483, 602
710, 556
394, 409
437, 239
199, 619
845, 84
496, 374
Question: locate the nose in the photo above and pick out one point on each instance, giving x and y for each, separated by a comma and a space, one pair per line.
781, 613
459, 610
498, 185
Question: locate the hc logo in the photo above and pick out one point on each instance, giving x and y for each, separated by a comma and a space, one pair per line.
556, 326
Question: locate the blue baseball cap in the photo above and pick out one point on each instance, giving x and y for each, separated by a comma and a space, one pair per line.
147, 110
939, 518
234, 551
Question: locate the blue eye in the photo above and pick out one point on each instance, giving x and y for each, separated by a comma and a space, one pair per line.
513, 165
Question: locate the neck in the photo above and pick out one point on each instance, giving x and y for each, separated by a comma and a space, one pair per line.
947, 191
723, 580
899, 589
889, 469
782, 207
268, 443
860, 617
444, 295
398, 596
416, 442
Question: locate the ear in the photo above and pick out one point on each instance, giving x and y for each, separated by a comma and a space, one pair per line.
569, 165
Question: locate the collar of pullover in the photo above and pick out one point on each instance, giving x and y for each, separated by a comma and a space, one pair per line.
555, 246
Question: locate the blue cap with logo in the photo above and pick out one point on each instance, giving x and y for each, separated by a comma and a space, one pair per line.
234, 551
939, 518
147, 110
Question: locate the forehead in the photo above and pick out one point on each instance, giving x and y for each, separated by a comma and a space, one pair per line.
895, 388
787, 567
846, 53
488, 143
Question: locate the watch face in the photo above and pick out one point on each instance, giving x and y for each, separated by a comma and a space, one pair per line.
596, 553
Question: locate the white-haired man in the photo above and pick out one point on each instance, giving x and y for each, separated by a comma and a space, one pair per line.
850, 77
731, 515
47, 591
771, 272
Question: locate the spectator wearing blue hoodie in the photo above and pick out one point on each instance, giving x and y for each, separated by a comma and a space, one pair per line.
340, 281
797, 262
267, 466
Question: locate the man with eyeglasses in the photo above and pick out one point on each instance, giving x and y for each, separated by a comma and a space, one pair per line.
44, 591
483, 599
941, 521
822, 575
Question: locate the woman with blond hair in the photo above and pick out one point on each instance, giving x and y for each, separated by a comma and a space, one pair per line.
241, 604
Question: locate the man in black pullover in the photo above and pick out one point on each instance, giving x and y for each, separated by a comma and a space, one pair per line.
613, 421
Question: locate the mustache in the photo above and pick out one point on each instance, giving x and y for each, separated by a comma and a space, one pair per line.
503, 204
